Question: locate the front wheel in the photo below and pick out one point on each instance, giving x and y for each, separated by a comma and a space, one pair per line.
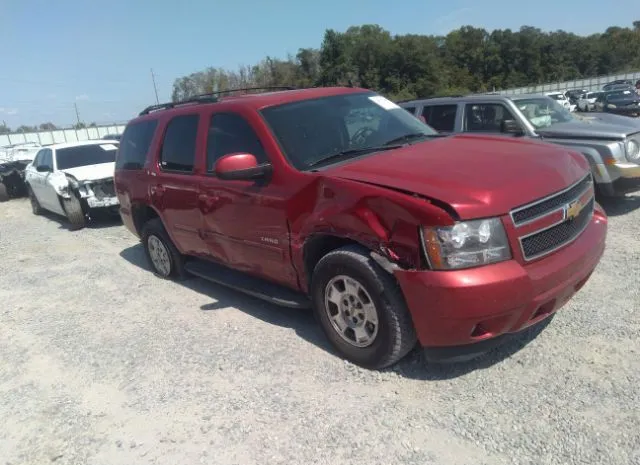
361, 309
74, 212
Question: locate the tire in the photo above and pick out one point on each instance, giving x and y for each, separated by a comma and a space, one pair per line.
154, 231
394, 335
35, 205
74, 212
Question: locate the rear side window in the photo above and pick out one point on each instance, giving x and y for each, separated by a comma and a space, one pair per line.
134, 145
411, 110
440, 117
179, 144
231, 133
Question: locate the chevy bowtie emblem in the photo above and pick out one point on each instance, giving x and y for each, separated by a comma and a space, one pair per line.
573, 209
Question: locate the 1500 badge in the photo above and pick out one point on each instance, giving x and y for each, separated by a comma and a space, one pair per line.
270, 240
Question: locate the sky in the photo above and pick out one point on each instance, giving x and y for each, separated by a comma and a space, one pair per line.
97, 55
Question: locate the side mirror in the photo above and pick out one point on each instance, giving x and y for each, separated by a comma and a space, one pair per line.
44, 169
240, 167
510, 126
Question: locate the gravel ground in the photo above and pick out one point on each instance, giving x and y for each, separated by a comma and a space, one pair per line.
102, 363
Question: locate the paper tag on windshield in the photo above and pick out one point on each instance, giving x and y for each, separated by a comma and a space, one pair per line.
108, 147
383, 102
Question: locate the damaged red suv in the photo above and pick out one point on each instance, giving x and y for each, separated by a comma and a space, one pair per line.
339, 200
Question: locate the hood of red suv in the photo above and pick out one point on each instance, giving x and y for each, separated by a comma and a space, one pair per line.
479, 176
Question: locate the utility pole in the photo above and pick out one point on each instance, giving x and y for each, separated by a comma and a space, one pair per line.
155, 88
75, 105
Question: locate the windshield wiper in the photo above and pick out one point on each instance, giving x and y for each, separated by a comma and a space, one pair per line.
351, 152
411, 136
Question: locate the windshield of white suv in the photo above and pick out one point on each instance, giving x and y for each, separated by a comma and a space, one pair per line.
331, 129
85, 155
543, 112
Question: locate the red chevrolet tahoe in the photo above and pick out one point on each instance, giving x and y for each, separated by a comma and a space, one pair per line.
337, 199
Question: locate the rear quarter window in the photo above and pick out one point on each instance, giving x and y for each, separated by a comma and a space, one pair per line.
134, 145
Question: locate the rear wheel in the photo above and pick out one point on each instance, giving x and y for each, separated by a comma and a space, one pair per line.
164, 258
74, 212
35, 205
361, 309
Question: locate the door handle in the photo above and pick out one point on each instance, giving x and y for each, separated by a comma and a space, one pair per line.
207, 202
158, 190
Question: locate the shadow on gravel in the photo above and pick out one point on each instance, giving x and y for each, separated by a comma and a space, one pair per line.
620, 206
301, 321
413, 366
98, 220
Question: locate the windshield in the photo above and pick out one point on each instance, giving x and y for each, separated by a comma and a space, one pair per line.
311, 130
85, 155
543, 112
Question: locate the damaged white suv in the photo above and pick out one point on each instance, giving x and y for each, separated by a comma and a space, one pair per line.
72, 179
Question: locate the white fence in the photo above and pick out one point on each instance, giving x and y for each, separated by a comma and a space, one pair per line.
61, 135
592, 84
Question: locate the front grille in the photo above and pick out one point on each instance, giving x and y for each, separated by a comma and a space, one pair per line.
547, 241
528, 213
104, 189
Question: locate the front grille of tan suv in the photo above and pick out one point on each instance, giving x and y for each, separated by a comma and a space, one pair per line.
545, 241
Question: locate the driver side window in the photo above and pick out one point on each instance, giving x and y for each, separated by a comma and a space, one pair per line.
47, 159
231, 133
38, 159
486, 117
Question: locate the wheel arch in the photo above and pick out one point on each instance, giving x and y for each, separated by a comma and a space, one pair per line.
318, 245
141, 214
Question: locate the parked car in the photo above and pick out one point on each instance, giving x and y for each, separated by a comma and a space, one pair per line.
611, 143
561, 99
617, 84
573, 95
587, 100
620, 102
616, 87
73, 179
338, 199
13, 161
112, 137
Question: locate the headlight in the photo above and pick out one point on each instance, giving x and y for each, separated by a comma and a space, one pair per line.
466, 244
633, 150
610, 105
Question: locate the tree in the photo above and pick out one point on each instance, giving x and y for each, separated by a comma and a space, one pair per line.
4, 129
25, 128
79, 126
48, 127
467, 59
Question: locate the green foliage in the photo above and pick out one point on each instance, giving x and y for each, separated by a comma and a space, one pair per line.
48, 127
468, 59
4, 129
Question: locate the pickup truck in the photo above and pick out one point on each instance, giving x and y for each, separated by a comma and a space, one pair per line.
339, 200
611, 143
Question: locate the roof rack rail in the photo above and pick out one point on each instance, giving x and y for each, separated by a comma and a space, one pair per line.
211, 97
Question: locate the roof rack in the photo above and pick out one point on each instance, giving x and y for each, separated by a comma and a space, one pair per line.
211, 97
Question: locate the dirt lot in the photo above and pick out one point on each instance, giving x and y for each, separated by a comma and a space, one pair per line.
102, 363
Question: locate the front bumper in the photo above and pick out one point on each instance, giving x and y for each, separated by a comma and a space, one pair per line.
623, 178
465, 307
